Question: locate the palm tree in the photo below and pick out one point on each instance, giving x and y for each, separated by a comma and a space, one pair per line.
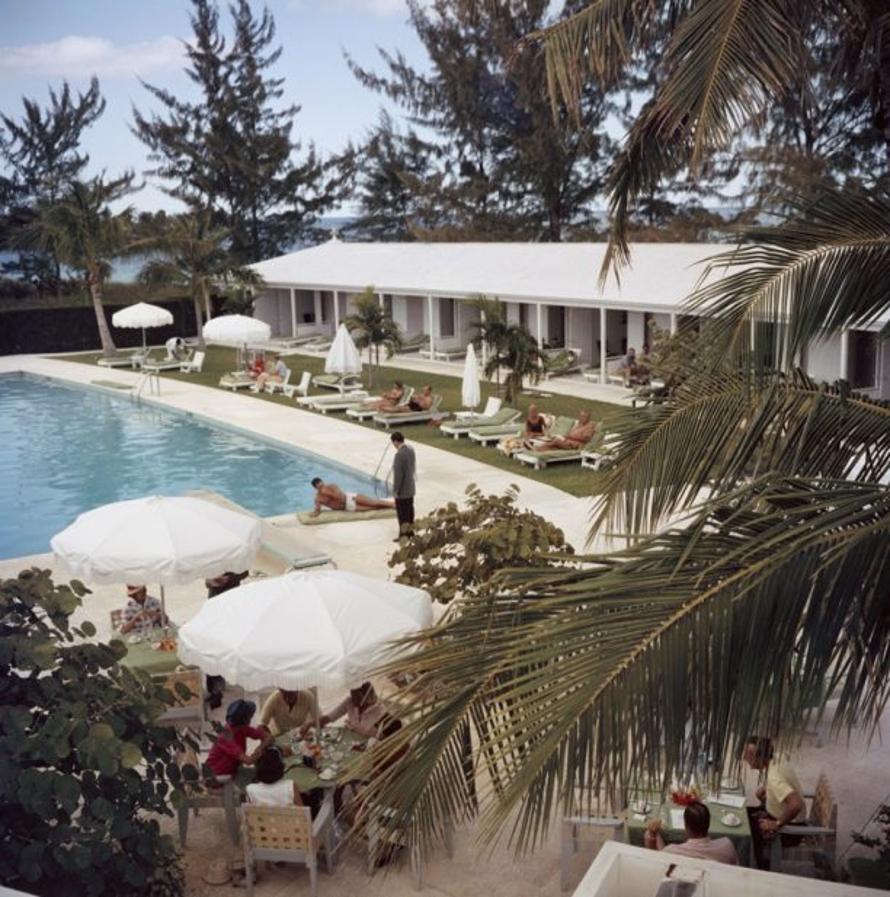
193, 254
373, 328
86, 235
491, 330
517, 352
771, 593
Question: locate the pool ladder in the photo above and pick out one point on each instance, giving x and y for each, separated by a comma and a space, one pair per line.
151, 379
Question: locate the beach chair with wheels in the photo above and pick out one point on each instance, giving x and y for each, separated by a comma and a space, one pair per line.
541, 459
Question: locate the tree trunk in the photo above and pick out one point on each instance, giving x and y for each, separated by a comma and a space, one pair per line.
95, 287
370, 364
208, 311
199, 322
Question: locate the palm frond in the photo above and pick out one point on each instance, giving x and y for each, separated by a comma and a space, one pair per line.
743, 426
826, 267
587, 678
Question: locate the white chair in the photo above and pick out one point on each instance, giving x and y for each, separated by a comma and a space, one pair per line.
598, 830
286, 835
301, 389
201, 796
273, 386
195, 365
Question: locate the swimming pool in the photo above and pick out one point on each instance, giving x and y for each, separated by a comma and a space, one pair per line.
65, 449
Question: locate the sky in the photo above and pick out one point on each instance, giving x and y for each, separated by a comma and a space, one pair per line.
43, 42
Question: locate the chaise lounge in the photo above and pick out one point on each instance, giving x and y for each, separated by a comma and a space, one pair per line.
390, 419
541, 459
357, 412
502, 416
340, 382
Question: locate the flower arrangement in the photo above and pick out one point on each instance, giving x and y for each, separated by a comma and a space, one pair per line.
683, 797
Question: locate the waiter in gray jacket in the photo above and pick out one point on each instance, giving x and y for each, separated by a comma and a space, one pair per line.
403, 486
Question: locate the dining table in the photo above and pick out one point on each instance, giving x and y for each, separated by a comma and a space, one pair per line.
721, 805
339, 745
142, 655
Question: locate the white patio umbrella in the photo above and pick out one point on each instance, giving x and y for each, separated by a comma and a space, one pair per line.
324, 628
343, 357
469, 390
142, 315
157, 539
236, 330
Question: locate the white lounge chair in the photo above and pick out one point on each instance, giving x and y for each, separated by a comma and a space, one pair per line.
122, 360
502, 416
358, 412
273, 386
170, 363
301, 389
358, 395
397, 419
195, 366
541, 459
351, 403
342, 383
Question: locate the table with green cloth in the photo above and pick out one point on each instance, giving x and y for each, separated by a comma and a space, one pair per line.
142, 656
740, 835
336, 746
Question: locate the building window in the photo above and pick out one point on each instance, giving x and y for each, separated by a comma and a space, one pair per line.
523, 314
446, 317
387, 306
862, 359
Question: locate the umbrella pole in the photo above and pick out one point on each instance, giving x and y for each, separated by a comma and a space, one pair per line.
314, 691
164, 611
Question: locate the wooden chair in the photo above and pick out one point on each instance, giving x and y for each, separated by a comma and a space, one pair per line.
286, 835
202, 796
185, 710
816, 855
379, 839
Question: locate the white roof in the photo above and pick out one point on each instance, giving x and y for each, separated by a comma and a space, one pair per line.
660, 277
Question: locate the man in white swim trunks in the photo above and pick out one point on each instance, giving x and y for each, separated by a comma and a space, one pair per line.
330, 495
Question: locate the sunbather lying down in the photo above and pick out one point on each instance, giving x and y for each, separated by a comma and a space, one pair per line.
581, 433
330, 495
423, 402
388, 400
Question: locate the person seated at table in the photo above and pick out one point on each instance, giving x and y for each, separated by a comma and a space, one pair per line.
141, 613
257, 367
229, 751
330, 495
271, 788
581, 433
698, 845
782, 803
388, 400
286, 710
362, 708
535, 427
276, 375
215, 686
422, 402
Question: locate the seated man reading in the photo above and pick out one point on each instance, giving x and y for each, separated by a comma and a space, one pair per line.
388, 400
697, 822
580, 434
423, 402
330, 495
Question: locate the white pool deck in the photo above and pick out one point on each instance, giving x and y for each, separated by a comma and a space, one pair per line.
860, 773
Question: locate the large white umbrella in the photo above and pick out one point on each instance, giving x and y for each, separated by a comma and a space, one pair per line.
157, 539
469, 389
309, 628
142, 315
343, 357
236, 330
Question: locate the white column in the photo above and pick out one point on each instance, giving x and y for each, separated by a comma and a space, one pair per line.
293, 312
380, 299
673, 324
316, 299
603, 371
431, 324
540, 327
336, 310
845, 354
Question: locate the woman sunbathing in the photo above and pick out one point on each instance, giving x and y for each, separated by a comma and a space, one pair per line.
423, 402
580, 434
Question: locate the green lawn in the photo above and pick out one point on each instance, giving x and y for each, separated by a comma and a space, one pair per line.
570, 477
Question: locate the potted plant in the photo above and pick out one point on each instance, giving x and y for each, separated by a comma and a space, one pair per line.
873, 872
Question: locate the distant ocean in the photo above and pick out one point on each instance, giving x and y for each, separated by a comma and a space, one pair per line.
126, 270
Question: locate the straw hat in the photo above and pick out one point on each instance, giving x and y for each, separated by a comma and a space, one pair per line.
219, 872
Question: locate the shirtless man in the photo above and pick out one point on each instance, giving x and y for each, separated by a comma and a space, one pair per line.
580, 434
423, 402
388, 400
330, 495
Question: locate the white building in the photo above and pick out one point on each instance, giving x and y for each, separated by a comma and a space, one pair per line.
552, 288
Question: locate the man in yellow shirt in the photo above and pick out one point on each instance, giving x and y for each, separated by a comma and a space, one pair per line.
781, 798
285, 710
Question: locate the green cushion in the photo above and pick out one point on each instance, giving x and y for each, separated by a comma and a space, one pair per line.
344, 516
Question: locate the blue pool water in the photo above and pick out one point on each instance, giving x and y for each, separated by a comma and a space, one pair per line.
64, 450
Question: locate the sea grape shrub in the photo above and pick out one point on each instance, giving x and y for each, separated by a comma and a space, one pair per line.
83, 760
457, 551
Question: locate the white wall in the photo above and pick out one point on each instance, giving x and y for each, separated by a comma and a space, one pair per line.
512, 312
400, 313
273, 307
824, 359
582, 332
636, 330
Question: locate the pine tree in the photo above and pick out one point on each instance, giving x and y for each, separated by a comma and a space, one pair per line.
231, 151
41, 151
506, 167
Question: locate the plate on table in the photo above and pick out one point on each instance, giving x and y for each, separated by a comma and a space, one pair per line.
328, 775
730, 820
